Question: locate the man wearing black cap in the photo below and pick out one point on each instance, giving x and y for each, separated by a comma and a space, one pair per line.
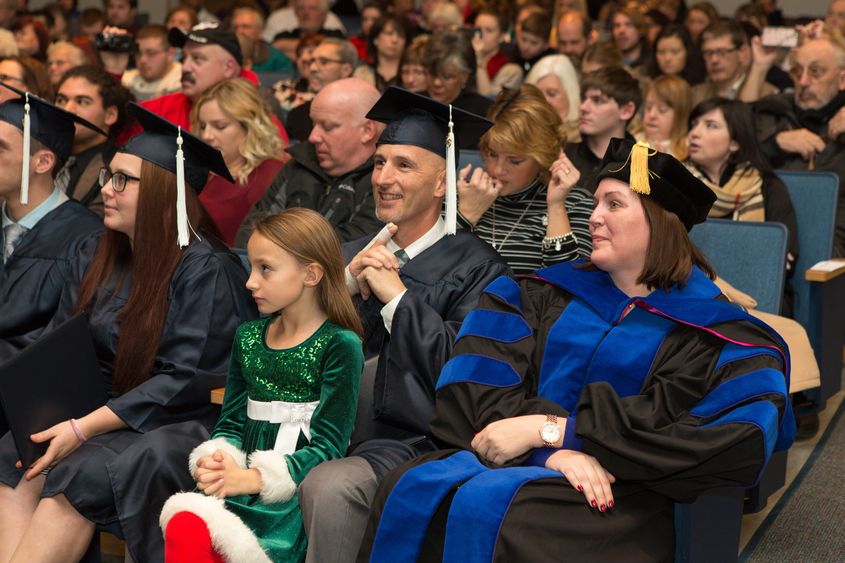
211, 54
42, 228
415, 291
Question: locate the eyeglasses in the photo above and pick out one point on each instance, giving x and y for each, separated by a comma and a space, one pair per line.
323, 61
814, 72
719, 53
118, 179
6, 78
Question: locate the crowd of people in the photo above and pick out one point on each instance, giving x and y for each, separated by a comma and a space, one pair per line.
538, 328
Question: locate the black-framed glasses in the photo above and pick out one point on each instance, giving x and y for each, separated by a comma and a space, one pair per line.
323, 61
118, 179
718, 53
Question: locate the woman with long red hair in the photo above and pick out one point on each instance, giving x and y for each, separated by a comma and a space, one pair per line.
162, 319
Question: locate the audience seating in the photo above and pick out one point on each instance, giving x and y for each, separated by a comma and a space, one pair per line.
750, 256
819, 295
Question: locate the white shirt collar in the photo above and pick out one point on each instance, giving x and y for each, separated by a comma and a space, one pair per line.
434, 234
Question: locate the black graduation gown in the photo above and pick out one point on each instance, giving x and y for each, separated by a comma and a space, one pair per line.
31, 281
683, 394
444, 283
121, 479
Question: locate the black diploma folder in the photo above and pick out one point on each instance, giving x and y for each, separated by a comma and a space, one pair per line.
55, 378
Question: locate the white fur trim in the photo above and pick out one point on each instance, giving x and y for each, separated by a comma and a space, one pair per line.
276, 482
209, 447
230, 537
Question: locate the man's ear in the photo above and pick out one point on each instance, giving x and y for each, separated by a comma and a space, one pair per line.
231, 68
313, 274
370, 131
627, 111
43, 161
347, 70
110, 116
841, 81
440, 187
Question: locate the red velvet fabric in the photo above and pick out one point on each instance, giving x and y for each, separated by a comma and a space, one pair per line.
187, 540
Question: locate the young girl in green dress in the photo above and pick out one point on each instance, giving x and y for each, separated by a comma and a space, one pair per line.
291, 399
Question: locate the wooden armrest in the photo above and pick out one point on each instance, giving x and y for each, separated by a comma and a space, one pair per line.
217, 395
826, 270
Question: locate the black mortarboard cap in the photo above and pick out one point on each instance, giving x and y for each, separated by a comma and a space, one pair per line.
659, 176
157, 144
417, 120
207, 34
51, 126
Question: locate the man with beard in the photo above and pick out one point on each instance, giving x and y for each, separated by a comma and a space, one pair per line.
211, 54
805, 130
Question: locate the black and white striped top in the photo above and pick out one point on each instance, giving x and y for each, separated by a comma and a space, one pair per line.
515, 226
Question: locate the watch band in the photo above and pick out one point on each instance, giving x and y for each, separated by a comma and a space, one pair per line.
550, 419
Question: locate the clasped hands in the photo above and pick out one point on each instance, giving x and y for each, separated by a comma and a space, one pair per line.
376, 270
503, 440
220, 475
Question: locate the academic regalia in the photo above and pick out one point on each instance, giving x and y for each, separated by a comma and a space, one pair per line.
119, 480
444, 283
32, 279
144, 464
673, 393
669, 407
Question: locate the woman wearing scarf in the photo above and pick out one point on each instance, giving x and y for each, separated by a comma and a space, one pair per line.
724, 154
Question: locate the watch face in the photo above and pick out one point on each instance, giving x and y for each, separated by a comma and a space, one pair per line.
550, 432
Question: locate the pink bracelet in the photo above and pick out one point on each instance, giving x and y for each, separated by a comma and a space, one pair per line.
77, 431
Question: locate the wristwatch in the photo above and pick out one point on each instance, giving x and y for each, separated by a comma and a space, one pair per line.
550, 431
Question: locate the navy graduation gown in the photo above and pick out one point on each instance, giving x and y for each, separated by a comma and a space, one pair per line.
32, 280
121, 479
444, 284
674, 394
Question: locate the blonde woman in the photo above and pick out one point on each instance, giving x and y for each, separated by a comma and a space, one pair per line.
668, 101
233, 117
556, 78
524, 203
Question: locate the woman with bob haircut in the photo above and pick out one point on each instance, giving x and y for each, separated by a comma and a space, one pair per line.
251, 147
675, 54
524, 204
163, 313
665, 112
556, 78
625, 383
450, 62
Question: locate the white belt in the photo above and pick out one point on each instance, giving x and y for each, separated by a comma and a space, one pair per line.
291, 418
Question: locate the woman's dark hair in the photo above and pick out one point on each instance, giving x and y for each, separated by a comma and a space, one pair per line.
451, 48
112, 92
741, 129
693, 71
399, 24
40, 31
151, 261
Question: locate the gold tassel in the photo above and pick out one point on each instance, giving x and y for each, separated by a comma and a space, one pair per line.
639, 179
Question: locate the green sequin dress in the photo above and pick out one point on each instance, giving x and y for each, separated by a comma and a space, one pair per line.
326, 368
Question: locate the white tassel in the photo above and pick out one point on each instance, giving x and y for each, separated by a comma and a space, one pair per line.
26, 148
451, 179
181, 207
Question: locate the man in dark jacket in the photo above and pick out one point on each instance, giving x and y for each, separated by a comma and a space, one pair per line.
806, 130
331, 172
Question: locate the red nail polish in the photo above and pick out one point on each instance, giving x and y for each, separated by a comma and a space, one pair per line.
593, 503
602, 508
580, 487
610, 504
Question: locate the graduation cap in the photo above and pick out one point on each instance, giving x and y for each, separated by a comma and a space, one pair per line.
38, 119
167, 145
659, 176
417, 120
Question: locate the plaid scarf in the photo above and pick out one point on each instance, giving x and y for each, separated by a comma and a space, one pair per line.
740, 198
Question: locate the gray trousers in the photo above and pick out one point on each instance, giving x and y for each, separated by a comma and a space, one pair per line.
335, 499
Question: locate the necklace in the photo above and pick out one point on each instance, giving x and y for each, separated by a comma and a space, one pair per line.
510, 232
